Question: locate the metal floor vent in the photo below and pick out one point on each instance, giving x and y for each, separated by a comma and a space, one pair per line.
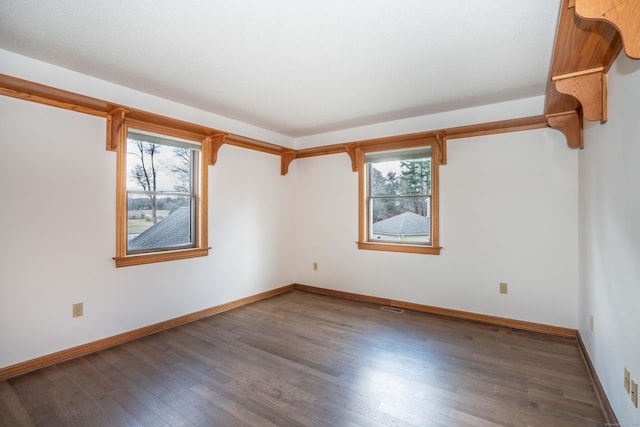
391, 309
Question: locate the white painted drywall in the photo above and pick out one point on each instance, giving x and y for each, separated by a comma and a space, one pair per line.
610, 238
57, 228
509, 210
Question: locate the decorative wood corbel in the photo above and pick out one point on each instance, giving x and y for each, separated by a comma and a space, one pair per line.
570, 124
590, 88
215, 142
441, 139
624, 15
115, 121
351, 151
286, 158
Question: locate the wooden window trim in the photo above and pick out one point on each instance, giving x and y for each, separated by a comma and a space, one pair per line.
397, 247
436, 156
202, 231
130, 260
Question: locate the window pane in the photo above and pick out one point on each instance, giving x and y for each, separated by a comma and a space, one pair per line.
385, 178
156, 167
416, 176
400, 219
400, 177
159, 222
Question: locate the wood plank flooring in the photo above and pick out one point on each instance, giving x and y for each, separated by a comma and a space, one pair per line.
302, 359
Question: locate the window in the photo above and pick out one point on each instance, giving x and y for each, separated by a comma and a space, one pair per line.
398, 198
161, 199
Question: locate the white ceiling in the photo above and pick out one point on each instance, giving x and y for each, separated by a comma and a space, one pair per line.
298, 67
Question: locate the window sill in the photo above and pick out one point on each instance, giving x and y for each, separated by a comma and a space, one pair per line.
129, 260
391, 247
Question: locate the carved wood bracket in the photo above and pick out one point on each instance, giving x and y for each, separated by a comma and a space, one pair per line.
215, 142
590, 88
115, 121
570, 124
286, 158
441, 139
351, 151
624, 15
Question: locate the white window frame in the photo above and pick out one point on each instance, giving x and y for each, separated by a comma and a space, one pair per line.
169, 142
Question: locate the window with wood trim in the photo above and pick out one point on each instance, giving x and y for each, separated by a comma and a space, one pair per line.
161, 196
398, 197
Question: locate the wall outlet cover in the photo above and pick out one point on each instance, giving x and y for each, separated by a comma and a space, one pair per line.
78, 310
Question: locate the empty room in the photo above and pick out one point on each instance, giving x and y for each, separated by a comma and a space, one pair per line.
340, 213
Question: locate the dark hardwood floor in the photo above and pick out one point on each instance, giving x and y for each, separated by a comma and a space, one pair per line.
301, 359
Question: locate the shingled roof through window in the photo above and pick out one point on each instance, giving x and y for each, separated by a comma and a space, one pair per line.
404, 224
173, 231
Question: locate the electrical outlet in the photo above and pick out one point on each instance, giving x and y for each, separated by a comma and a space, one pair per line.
634, 393
627, 380
315, 266
78, 309
504, 288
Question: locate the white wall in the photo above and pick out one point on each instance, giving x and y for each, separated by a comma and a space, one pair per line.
57, 228
509, 213
610, 238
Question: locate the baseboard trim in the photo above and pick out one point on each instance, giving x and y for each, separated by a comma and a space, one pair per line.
458, 314
609, 415
84, 349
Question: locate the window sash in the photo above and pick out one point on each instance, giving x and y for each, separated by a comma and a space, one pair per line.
417, 236
178, 236
192, 232
370, 191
